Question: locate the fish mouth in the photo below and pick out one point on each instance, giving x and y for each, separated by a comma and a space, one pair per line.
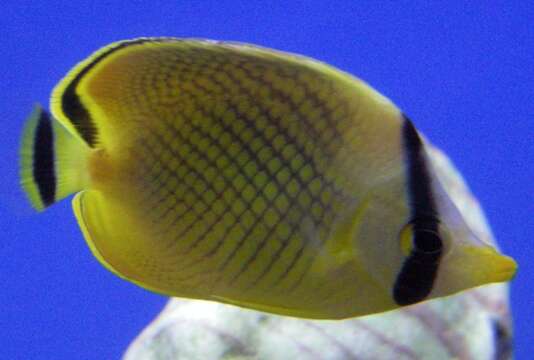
506, 268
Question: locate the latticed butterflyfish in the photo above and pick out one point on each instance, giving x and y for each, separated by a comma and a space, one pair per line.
245, 175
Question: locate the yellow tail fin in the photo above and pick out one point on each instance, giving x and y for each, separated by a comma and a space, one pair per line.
53, 162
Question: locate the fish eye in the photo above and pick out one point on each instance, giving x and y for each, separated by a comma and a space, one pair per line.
427, 241
418, 237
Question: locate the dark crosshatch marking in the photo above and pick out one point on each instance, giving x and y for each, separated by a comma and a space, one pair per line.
207, 184
252, 157
262, 242
315, 140
44, 171
304, 186
418, 273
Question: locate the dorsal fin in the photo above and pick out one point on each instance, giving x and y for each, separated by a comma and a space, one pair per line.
67, 105
134, 81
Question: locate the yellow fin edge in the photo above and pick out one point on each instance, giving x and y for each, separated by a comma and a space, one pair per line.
81, 216
26, 155
52, 162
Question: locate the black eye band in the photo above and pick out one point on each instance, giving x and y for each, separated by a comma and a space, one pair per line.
417, 275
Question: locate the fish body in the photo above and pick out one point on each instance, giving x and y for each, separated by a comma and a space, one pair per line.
240, 174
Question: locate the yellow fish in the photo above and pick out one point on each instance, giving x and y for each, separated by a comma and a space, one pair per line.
240, 174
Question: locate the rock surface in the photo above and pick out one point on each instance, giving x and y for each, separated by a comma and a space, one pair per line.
472, 325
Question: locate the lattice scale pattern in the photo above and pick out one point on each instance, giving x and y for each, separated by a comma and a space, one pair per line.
242, 164
235, 169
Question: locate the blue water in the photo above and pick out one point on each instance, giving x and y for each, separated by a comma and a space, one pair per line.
462, 71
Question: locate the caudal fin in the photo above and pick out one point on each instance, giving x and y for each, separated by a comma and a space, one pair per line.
53, 162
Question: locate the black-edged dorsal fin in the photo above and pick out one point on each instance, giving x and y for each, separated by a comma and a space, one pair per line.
66, 104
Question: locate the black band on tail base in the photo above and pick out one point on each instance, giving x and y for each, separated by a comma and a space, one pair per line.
43, 159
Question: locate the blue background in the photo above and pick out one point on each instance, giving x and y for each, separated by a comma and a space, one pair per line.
463, 71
